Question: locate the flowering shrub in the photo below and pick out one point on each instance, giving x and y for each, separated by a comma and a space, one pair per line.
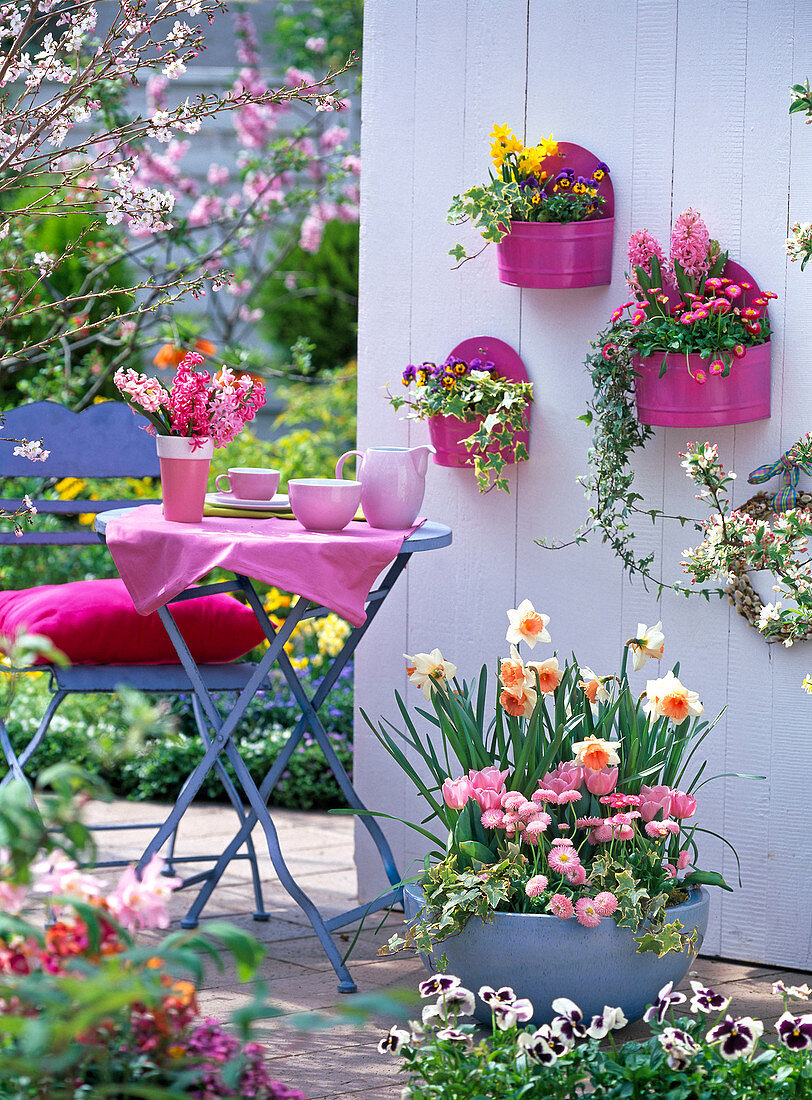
710, 1054
532, 185
799, 245
197, 405
686, 305
84, 1010
96, 159
473, 392
576, 801
741, 540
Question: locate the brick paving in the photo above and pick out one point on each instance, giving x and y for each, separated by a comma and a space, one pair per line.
328, 1060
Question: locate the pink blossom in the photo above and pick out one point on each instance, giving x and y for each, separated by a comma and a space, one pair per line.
605, 903
655, 800
456, 792
334, 137
560, 906
565, 780
586, 913
492, 819
217, 175
12, 898
536, 827
205, 210
562, 842
683, 859
490, 778
535, 886
138, 904
576, 876
512, 800
56, 874
657, 830
311, 234
602, 834
561, 859
690, 244
146, 392
316, 44
527, 811
733, 291
602, 782
682, 805
670, 869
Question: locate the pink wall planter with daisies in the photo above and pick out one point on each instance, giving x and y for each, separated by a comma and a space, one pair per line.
692, 395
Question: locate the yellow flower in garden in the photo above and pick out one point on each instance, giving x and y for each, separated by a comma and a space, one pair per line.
547, 147
501, 133
332, 631
420, 378
299, 663
807, 685
536, 199
449, 382
69, 488
276, 599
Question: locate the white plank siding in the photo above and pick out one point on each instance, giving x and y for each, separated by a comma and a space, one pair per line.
688, 105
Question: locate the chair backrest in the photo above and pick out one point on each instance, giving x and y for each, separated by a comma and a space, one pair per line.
102, 441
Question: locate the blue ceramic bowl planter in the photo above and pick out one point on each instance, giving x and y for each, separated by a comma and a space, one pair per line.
543, 957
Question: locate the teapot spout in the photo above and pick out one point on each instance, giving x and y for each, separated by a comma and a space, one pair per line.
420, 458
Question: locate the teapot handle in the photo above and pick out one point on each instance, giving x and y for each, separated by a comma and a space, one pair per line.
344, 457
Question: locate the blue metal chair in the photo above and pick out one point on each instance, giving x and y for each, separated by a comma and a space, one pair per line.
106, 441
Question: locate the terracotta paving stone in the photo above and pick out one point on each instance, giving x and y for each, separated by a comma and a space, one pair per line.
335, 1056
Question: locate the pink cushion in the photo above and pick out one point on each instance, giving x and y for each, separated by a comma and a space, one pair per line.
95, 623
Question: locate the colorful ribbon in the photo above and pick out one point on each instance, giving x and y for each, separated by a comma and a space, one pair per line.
789, 467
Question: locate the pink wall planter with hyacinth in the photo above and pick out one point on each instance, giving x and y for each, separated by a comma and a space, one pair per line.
696, 392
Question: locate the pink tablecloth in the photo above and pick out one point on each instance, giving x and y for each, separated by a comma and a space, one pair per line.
157, 560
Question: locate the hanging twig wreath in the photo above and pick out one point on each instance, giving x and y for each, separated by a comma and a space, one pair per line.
768, 532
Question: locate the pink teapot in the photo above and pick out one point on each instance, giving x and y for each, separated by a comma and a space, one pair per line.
393, 481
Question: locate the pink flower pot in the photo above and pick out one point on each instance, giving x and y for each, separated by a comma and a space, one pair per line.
546, 255
184, 477
678, 399
447, 433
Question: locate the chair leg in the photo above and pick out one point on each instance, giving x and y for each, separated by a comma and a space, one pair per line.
260, 913
17, 763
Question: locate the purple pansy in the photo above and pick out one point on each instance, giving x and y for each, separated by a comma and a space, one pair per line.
736, 1038
795, 1032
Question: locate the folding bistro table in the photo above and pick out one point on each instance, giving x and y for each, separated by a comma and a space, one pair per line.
223, 740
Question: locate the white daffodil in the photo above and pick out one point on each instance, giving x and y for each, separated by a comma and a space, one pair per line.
668, 697
429, 670
527, 625
648, 642
594, 686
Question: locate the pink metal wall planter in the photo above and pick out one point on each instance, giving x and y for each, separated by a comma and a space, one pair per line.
551, 256
447, 432
690, 396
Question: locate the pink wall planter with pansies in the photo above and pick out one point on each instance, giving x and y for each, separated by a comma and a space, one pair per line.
551, 256
690, 395
447, 432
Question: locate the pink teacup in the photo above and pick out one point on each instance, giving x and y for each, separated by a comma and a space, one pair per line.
324, 503
249, 482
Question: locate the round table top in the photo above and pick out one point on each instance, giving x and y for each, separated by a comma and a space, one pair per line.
429, 536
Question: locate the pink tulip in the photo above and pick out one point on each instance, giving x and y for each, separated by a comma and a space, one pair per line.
489, 779
566, 777
487, 799
456, 792
602, 782
682, 804
654, 800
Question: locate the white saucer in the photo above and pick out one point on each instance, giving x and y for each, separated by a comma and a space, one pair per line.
278, 503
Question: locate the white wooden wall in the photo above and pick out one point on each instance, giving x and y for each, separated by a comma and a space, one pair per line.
687, 102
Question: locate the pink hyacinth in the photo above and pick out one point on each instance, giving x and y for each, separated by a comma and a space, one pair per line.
586, 913
690, 244
642, 246
605, 903
561, 906
682, 805
536, 886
